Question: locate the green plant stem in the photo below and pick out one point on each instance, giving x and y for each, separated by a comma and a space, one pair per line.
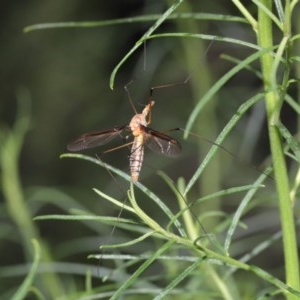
192, 230
11, 144
206, 253
13, 193
273, 104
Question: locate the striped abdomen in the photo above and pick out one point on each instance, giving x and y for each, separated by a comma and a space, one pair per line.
136, 157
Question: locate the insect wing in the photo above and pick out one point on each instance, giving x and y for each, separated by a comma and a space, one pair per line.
161, 143
95, 138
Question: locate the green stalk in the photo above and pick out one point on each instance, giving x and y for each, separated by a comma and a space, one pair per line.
273, 105
10, 183
206, 253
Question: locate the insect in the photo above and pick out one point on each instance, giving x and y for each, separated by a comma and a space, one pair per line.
142, 135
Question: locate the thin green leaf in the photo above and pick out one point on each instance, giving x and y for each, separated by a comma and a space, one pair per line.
238, 61
127, 224
163, 17
130, 243
258, 249
218, 194
293, 103
244, 11
144, 257
291, 141
191, 228
178, 279
269, 13
137, 19
275, 65
98, 162
240, 112
124, 175
142, 215
114, 201
24, 288
267, 276
141, 269
205, 37
163, 207
280, 11
295, 187
244, 203
103, 219
217, 86
293, 4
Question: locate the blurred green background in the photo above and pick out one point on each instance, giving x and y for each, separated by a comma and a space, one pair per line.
65, 75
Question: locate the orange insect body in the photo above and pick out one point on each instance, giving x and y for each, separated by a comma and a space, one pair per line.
136, 157
142, 135
137, 149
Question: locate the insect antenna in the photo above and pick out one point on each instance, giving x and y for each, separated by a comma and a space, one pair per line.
134, 78
129, 96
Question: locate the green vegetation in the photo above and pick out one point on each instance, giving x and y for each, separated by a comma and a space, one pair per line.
204, 226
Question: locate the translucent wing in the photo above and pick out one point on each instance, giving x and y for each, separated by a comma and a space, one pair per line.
95, 138
161, 143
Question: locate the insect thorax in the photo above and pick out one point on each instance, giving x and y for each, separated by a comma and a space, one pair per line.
135, 123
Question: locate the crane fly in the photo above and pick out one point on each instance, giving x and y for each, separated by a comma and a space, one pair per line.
142, 135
